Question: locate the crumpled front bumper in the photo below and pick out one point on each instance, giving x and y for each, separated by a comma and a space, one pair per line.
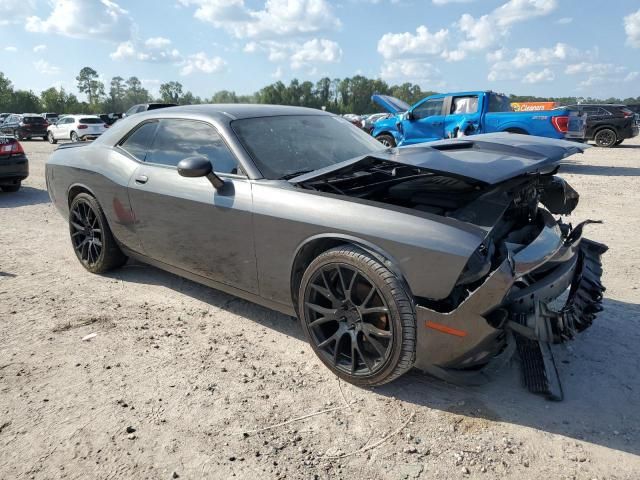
469, 343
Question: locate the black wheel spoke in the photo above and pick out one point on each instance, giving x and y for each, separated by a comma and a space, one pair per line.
371, 330
343, 305
86, 232
367, 311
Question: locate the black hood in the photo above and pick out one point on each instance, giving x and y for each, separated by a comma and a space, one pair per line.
490, 158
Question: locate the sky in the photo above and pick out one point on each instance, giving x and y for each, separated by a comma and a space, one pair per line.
525, 47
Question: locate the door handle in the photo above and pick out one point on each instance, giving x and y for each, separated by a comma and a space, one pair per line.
142, 179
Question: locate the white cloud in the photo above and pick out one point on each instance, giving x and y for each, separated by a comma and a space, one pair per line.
545, 75
44, 67
593, 68
564, 21
446, 2
15, 11
316, 51
200, 62
515, 11
412, 70
154, 50
484, 32
423, 42
10, 49
277, 74
632, 29
504, 69
277, 18
95, 19
39, 48
157, 42
300, 55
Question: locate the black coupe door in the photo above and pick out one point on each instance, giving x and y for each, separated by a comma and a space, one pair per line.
185, 222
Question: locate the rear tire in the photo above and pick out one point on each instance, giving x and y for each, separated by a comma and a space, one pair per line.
52, 140
17, 135
74, 137
91, 237
606, 138
517, 130
357, 316
11, 188
386, 140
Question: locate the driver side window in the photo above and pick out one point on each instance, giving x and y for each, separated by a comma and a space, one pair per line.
178, 139
428, 109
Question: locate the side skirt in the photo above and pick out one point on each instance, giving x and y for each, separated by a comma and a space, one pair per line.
251, 297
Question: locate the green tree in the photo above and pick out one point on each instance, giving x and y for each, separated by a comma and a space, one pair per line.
117, 92
224, 96
89, 84
6, 93
171, 92
135, 93
25, 101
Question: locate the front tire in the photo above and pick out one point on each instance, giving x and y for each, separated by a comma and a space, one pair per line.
17, 135
51, 138
386, 140
357, 317
91, 237
606, 138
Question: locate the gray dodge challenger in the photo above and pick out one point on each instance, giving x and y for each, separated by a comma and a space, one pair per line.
448, 257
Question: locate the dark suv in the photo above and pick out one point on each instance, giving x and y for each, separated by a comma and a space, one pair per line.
25, 126
143, 107
14, 165
607, 125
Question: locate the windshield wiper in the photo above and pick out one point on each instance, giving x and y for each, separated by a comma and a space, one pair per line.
291, 175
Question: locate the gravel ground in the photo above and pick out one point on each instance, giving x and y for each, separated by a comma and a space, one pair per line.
182, 381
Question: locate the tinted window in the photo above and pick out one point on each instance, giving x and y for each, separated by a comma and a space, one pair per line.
33, 120
180, 139
281, 146
499, 103
139, 142
91, 121
462, 105
428, 109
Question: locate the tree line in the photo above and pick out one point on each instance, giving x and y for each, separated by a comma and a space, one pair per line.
347, 95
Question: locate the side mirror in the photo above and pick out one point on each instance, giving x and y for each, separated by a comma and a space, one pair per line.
193, 167
409, 116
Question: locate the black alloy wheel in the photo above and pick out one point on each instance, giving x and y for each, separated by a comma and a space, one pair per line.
606, 138
86, 233
357, 317
91, 237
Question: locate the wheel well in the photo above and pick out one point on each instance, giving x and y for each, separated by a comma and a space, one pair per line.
385, 133
305, 256
607, 127
521, 131
75, 191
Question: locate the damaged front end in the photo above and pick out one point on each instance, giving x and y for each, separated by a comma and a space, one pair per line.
543, 287
533, 280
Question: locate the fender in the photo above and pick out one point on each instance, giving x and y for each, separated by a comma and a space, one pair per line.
380, 254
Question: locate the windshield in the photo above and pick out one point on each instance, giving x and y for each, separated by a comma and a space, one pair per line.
283, 146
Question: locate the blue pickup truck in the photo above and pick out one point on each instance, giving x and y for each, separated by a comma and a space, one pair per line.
451, 115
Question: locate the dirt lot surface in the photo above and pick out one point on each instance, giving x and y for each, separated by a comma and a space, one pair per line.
182, 381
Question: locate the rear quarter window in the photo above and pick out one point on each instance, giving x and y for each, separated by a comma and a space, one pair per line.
139, 141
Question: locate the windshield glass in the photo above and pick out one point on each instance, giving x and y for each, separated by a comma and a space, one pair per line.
282, 146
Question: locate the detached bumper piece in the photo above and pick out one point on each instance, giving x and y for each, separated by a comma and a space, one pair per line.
583, 303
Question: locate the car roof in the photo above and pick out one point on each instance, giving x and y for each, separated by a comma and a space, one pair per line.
236, 111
